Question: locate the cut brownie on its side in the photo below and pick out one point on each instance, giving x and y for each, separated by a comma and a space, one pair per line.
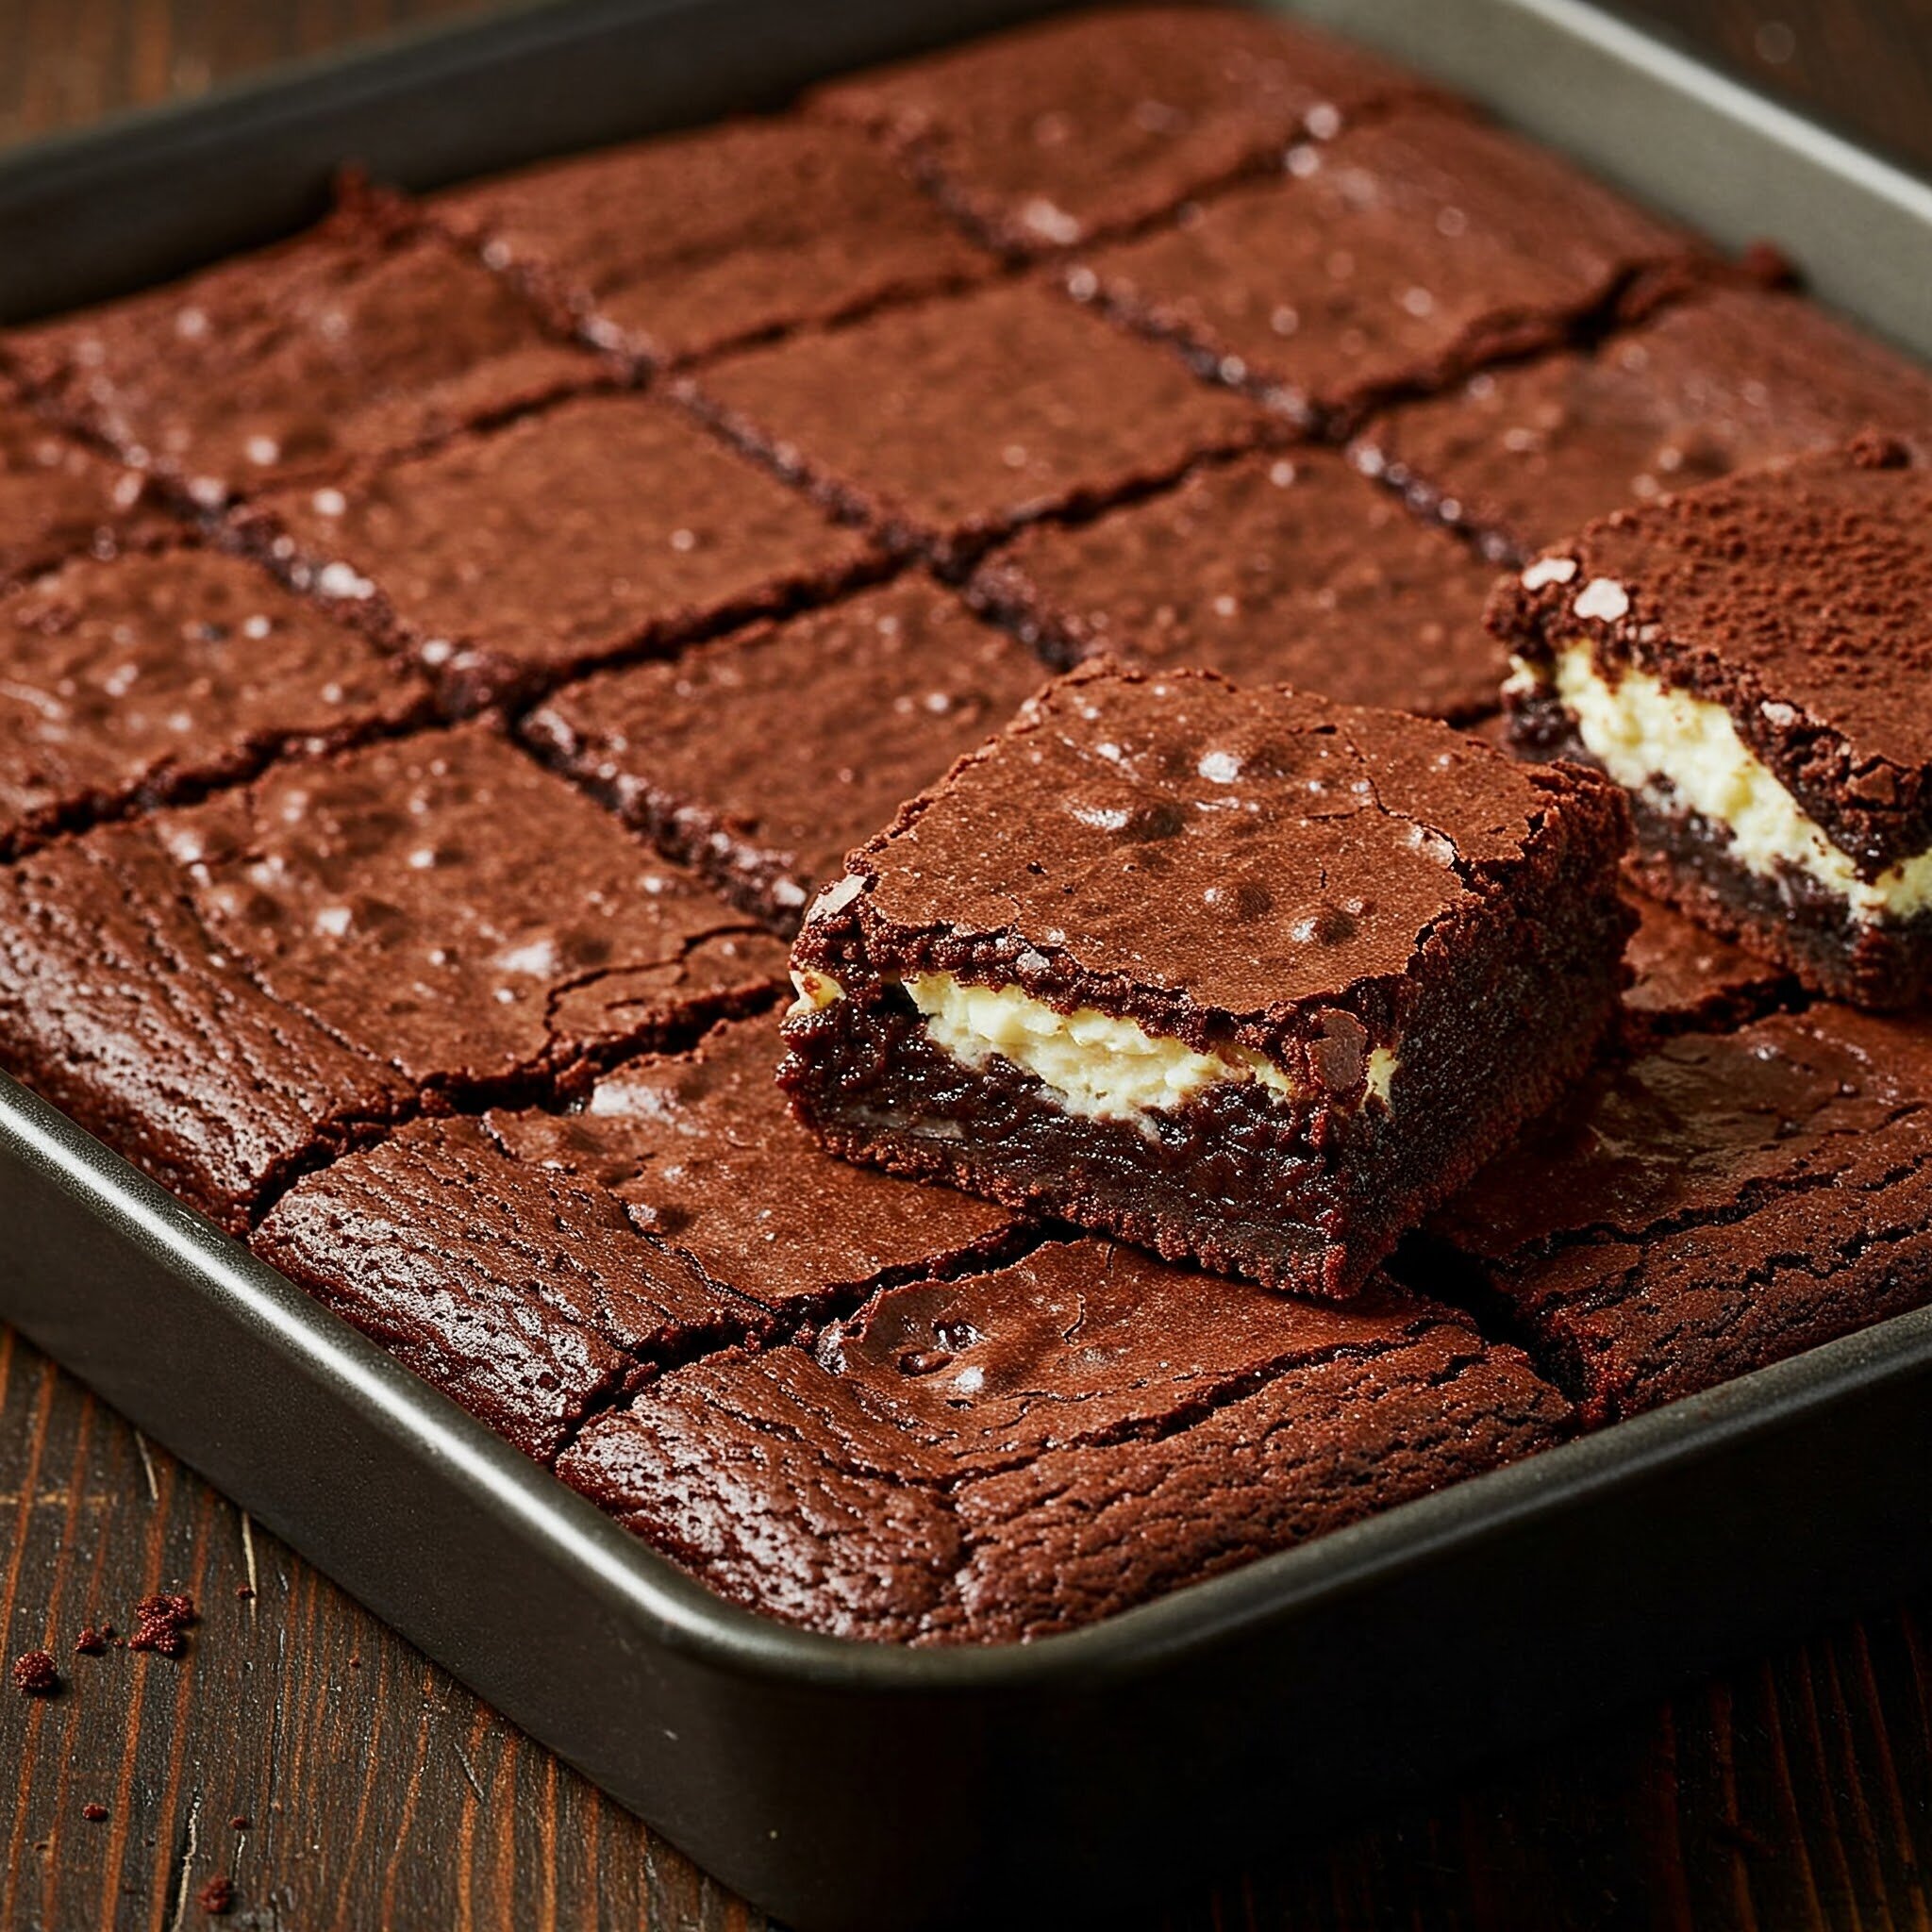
673, 248
1718, 1205
1275, 570
1523, 456
1054, 132
1396, 258
1246, 975
985, 1459
1684, 979
138, 678
361, 338
760, 760
608, 524
701, 1150
946, 424
1749, 661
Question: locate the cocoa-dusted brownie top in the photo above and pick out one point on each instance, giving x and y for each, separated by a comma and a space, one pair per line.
360, 338
1683, 977
989, 1458
673, 248
131, 679
947, 423
525, 1295
1279, 569
1045, 135
610, 523
701, 1149
1525, 455
762, 759
1396, 258
1720, 1203
1795, 596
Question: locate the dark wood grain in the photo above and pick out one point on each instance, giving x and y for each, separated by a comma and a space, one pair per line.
1794, 1794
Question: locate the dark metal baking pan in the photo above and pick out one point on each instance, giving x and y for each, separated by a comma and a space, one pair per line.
841, 1785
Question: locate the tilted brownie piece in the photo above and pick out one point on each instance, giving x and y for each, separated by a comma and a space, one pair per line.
138, 678
1524, 454
1019, 1452
1748, 661
1246, 975
1274, 570
521, 1295
673, 248
1054, 132
1719, 1203
700, 1148
944, 423
1683, 977
608, 524
1396, 258
360, 338
760, 760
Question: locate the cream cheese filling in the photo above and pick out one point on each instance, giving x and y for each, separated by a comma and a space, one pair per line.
1646, 734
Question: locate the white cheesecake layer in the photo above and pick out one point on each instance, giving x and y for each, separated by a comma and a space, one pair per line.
1648, 735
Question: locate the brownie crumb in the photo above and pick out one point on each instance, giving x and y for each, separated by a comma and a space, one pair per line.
217, 1897
1872, 449
94, 1639
245, 1590
36, 1675
162, 1623
94, 1813
239, 1822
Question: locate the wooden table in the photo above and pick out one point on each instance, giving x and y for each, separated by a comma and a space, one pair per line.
343, 1781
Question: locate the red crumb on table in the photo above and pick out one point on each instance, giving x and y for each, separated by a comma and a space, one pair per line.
93, 1813
162, 1623
217, 1897
36, 1675
94, 1639
239, 1823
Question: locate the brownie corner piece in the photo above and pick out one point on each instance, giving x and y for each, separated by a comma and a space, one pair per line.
1747, 660
1244, 976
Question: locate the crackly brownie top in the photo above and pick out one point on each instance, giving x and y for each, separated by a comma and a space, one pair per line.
1394, 256
1046, 134
670, 248
1275, 570
359, 338
1797, 597
459, 911
1174, 843
1683, 977
128, 676
1528, 453
953, 419
701, 1150
59, 498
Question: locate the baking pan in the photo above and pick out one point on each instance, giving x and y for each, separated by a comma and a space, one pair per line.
844, 1785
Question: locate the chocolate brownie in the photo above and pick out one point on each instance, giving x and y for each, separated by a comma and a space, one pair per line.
1280, 569
606, 526
1054, 132
1521, 456
523, 1295
1748, 661
1683, 978
1226, 973
760, 760
944, 423
1725, 1201
1022, 1451
701, 1150
148, 675
361, 337
673, 248
1395, 259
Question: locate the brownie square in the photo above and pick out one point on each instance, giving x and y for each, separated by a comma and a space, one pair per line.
1279, 569
362, 338
1523, 456
668, 249
1717, 1204
1054, 132
1396, 258
1019, 1452
1748, 662
945, 423
1226, 973
702, 1152
761, 758
521, 1295
609, 524
144, 676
